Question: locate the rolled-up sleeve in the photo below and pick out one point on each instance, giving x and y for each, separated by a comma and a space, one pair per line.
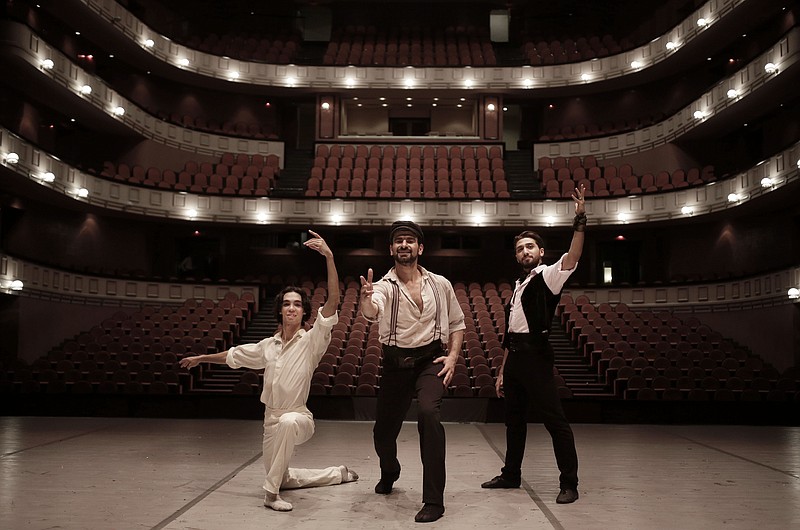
319, 336
247, 356
455, 314
379, 298
555, 277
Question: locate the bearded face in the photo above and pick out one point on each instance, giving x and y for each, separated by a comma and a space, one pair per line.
405, 249
528, 253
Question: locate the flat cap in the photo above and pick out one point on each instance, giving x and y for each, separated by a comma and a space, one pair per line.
407, 226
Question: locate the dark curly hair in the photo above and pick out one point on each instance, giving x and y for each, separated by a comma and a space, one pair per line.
304, 299
533, 235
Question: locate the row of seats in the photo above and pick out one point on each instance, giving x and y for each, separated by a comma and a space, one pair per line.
672, 357
327, 152
368, 46
259, 130
277, 49
556, 187
395, 186
541, 52
588, 130
234, 175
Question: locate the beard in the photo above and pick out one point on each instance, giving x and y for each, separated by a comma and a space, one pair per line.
406, 259
530, 263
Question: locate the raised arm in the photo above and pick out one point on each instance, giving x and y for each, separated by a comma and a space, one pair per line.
319, 244
579, 225
368, 307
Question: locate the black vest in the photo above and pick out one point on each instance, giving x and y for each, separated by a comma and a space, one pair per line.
539, 305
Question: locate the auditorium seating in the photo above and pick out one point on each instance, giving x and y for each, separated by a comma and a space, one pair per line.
561, 175
138, 352
402, 46
673, 357
542, 52
408, 171
243, 175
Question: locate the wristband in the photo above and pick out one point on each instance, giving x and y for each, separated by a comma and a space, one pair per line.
579, 222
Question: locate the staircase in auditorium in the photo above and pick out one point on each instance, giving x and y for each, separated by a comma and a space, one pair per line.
523, 182
293, 179
574, 368
220, 378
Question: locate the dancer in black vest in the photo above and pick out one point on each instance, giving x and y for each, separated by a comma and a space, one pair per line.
526, 376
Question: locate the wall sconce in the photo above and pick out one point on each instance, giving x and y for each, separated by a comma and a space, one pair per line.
767, 182
771, 68
623, 217
585, 77
793, 293
86, 90
732, 93
234, 75
734, 197
48, 64
149, 43
11, 158
636, 64
119, 111
491, 107
468, 83
701, 22
687, 210
17, 285
192, 213
325, 105
48, 177
699, 114
183, 61
409, 83
262, 218
670, 45
82, 193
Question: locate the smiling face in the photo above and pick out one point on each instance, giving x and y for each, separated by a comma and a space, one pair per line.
292, 309
405, 248
528, 253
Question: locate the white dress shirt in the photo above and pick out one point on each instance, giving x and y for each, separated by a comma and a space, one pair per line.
417, 327
288, 367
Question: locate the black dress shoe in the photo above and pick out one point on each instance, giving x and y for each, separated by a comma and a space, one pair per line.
384, 486
429, 513
500, 482
567, 496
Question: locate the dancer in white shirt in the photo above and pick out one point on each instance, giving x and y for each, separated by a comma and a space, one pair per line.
288, 359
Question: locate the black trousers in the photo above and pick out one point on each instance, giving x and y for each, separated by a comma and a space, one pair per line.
400, 382
528, 381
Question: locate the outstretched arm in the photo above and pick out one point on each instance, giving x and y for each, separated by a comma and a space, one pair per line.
214, 358
579, 224
319, 244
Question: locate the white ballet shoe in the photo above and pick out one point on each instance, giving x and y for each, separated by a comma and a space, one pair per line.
348, 475
274, 501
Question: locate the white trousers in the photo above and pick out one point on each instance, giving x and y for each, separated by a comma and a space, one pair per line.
282, 432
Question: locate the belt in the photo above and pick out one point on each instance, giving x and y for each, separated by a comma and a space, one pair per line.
411, 357
523, 340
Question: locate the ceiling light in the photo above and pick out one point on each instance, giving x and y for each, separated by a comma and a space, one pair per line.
490, 107
325, 105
